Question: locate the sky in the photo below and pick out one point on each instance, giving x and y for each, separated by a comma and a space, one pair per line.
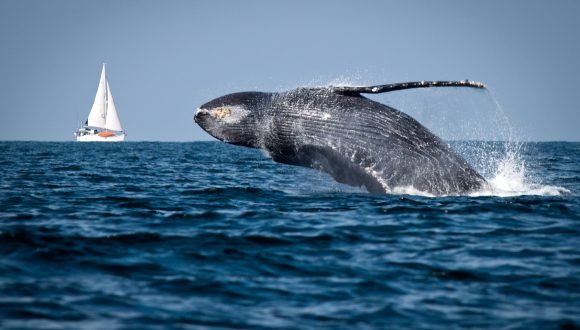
165, 58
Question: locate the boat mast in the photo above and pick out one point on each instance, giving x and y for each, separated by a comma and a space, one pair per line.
106, 94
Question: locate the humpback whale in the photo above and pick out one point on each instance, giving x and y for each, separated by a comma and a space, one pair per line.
335, 129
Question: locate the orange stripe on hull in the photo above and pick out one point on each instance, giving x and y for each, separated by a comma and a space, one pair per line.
106, 134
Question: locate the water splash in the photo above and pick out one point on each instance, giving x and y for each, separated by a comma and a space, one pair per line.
511, 179
510, 176
356, 79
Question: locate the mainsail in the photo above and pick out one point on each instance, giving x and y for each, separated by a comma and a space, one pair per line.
103, 113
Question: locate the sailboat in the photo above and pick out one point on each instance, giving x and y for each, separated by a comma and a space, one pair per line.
103, 122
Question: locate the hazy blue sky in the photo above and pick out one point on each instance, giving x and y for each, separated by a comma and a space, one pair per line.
165, 58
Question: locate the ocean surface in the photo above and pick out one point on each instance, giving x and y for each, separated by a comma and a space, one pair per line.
205, 235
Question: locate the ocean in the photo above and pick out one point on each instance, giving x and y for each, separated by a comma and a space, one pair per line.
204, 235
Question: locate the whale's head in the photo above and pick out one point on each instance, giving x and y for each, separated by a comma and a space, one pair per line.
234, 118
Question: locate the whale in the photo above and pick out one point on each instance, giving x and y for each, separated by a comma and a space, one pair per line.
340, 131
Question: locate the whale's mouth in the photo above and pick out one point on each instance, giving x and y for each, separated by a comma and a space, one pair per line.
203, 119
200, 114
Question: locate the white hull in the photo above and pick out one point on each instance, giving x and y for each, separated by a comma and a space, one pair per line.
97, 138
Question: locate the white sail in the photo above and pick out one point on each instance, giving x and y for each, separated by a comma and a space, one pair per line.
97, 115
112, 121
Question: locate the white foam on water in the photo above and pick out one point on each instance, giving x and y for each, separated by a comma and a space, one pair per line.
510, 180
409, 190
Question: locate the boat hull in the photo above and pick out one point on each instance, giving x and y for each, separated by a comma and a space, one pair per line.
97, 138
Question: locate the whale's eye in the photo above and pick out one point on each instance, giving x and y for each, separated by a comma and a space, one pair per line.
222, 112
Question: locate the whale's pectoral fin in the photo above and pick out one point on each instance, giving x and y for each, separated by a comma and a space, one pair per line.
331, 162
355, 90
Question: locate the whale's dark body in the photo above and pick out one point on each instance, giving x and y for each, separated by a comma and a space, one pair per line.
356, 140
